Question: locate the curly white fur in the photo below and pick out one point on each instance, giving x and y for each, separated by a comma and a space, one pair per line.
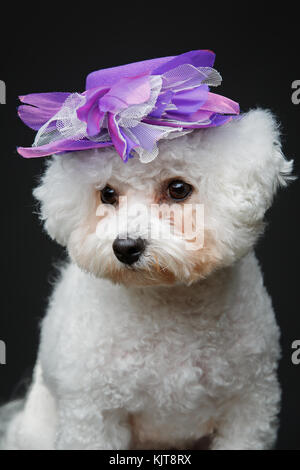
185, 344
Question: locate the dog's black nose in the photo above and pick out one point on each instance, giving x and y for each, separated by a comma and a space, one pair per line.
128, 250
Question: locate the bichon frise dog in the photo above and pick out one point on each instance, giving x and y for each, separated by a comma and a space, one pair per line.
158, 341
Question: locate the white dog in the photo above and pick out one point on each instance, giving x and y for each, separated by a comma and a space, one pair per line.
157, 342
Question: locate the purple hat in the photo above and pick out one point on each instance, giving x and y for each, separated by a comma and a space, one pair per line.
129, 107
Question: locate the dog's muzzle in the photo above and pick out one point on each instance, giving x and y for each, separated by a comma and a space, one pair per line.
128, 250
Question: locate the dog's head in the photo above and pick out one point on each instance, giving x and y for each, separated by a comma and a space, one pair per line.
197, 207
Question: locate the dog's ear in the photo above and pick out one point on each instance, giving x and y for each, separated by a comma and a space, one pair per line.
248, 169
270, 169
254, 166
265, 167
62, 197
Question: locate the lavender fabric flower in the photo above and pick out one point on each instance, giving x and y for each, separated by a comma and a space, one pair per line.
130, 107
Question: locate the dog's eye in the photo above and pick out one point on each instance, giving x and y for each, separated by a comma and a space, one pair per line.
179, 190
108, 195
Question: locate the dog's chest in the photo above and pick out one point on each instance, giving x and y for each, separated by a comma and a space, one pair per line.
162, 377
159, 359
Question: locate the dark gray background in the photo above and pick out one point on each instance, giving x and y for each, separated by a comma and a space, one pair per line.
53, 50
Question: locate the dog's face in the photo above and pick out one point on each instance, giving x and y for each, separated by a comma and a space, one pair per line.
197, 207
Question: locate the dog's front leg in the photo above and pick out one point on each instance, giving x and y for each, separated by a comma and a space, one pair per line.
250, 420
82, 427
